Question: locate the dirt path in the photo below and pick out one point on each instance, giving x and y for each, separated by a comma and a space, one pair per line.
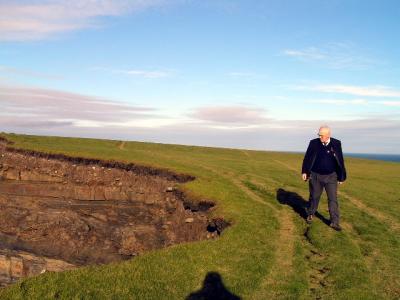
250, 193
383, 218
287, 166
245, 152
121, 145
273, 285
284, 253
283, 266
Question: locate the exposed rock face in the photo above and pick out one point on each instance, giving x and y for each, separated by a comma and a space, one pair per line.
17, 264
57, 214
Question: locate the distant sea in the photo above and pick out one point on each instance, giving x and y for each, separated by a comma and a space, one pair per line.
386, 157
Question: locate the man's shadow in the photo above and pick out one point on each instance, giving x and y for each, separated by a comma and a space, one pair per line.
213, 288
297, 203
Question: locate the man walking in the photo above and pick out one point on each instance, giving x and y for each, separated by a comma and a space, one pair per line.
323, 166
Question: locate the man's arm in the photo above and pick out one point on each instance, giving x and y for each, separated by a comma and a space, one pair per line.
305, 169
341, 161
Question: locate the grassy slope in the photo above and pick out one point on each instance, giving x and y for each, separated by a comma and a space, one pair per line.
265, 254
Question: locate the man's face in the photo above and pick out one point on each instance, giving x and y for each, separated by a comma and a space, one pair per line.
324, 135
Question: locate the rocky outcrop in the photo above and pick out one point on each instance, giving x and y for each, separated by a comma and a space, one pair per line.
17, 264
58, 213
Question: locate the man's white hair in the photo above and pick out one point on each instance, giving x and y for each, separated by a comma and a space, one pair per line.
324, 127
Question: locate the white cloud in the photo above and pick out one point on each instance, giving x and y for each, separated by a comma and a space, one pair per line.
390, 103
228, 116
332, 55
366, 91
149, 74
34, 20
310, 53
154, 74
151, 122
22, 105
247, 75
27, 73
86, 123
340, 101
241, 74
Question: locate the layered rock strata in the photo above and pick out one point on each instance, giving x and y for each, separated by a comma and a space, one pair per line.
58, 213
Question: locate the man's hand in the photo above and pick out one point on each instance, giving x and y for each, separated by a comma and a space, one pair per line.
340, 182
304, 176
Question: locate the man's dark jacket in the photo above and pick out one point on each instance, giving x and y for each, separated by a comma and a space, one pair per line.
335, 147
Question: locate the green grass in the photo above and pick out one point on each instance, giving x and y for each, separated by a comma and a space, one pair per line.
362, 262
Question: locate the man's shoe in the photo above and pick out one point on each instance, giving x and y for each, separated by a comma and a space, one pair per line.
309, 219
336, 227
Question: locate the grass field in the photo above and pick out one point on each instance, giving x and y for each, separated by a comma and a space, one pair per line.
269, 252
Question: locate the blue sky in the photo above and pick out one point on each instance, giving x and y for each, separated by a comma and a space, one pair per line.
243, 74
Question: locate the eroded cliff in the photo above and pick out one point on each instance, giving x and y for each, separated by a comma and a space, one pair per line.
59, 212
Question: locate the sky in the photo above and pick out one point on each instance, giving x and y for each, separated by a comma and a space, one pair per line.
241, 74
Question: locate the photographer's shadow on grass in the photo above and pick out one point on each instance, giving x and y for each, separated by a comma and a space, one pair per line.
297, 203
213, 288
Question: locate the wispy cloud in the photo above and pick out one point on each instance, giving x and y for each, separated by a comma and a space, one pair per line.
356, 102
340, 101
365, 91
230, 115
310, 53
389, 103
154, 74
241, 74
33, 20
246, 75
333, 55
149, 74
28, 73
25, 106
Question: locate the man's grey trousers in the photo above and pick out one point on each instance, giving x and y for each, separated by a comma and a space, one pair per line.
317, 183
